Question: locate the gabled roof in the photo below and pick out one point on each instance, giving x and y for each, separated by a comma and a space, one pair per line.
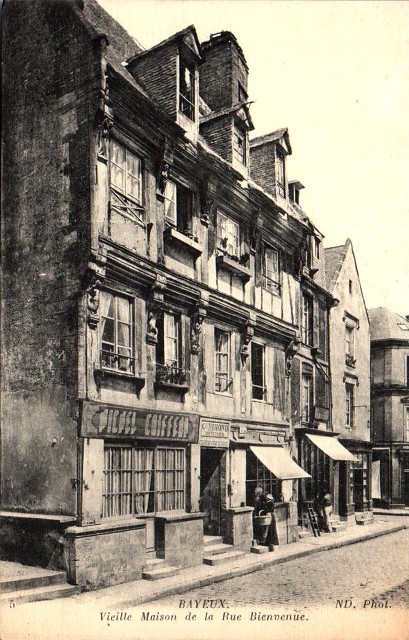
387, 325
275, 136
230, 110
119, 39
188, 35
334, 259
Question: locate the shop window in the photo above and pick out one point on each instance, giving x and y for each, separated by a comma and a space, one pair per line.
318, 465
228, 235
271, 271
359, 481
258, 371
239, 146
280, 173
168, 350
307, 320
143, 480
257, 475
307, 397
187, 91
179, 207
349, 405
116, 333
223, 378
126, 182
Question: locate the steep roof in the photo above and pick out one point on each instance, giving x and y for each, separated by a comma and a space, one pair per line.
334, 259
274, 136
120, 40
387, 325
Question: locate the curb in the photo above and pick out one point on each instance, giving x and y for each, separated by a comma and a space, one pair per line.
194, 583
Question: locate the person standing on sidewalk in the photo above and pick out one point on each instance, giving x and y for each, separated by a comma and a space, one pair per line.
327, 510
272, 537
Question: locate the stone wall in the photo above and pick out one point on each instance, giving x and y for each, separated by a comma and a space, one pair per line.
180, 538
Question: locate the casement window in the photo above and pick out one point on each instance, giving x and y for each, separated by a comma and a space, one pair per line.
168, 350
258, 371
307, 320
187, 91
294, 193
280, 173
116, 332
271, 270
140, 480
307, 397
223, 379
349, 340
349, 405
178, 207
239, 146
126, 182
257, 475
228, 235
317, 247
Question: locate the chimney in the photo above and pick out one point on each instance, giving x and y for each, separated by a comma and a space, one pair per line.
224, 73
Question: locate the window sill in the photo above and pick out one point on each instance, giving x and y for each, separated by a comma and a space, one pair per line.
162, 384
223, 261
101, 373
173, 234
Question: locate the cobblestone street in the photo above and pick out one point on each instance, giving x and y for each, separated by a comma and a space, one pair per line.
372, 569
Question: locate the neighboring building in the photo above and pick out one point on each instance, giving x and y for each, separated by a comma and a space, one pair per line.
390, 407
349, 358
164, 297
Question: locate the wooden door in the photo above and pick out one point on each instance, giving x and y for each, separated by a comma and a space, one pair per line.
210, 490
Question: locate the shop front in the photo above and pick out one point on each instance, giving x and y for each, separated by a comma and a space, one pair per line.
136, 477
328, 463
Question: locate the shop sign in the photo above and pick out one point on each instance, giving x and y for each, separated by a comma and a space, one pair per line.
214, 433
103, 421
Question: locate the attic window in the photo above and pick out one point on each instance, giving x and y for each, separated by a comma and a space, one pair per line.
187, 92
403, 326
294, 194
239, 146
241, 93
280, 174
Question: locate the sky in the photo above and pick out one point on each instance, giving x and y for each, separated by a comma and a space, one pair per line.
336, 73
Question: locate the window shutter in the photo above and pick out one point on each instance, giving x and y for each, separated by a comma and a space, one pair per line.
279, 381
322, 329
315, 323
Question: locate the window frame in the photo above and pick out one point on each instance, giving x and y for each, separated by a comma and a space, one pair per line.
182, 220
225, 223
307, 397
117, 347
270, 283
280, 173
263, 477
349, 405
263, 386
217, 372
307, 319
186, 98
239, 146
122, 200
177, 474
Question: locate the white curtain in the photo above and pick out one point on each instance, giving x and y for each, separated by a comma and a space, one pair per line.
143, 479
376, 479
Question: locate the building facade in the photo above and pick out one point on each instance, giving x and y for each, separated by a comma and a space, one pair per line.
350, 373
166, 314
390, 407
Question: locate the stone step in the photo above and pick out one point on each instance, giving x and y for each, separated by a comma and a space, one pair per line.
165, 571
154, 563
338, 526
216, 549
209, 541
44, 578
50, 592
258, 548
223, 558
304, 533
364, 521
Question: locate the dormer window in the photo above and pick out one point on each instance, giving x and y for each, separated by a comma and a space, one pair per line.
280, 173
241, 93
126, 182
239, 146
187, 93
294, 194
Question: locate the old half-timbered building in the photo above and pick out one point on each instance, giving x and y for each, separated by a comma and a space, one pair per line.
166, 316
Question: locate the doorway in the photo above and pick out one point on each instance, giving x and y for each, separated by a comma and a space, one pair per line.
210, 489
343, 489
406, 487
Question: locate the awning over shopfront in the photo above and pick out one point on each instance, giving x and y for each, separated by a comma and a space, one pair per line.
331, 447
279, 462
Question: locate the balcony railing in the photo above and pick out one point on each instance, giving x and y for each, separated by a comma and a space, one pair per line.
350, 360
170, 374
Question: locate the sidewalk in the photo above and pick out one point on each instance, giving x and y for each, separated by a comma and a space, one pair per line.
136, 593
392, 512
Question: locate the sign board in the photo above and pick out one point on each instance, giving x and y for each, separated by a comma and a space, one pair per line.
214, 433
110, 421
